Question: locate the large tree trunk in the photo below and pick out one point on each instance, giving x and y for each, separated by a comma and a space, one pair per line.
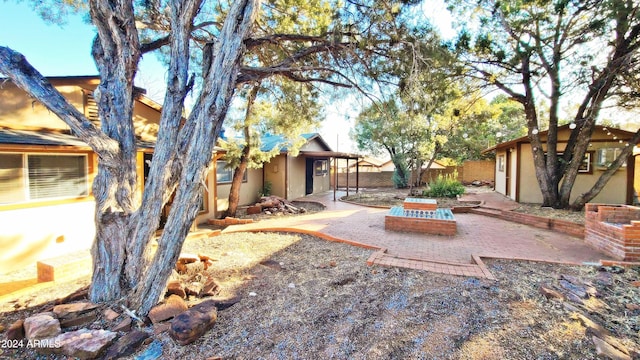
123, 265
238, 174
211, 108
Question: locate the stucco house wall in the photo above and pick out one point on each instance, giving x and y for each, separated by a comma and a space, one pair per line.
524, 184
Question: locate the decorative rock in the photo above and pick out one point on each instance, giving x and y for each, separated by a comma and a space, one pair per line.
194, 288
110, 315
635, 283
79, 319
41, 326
126, 345
580, 291
173, 306
605, 349
175, 288
209, 288
632, 307
256, 209
85, 343
124, 325
601, 333
604, 278
550, 293
16, 331
193, 323
188, 258
64, 310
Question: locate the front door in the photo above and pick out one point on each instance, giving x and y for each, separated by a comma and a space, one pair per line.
309, 177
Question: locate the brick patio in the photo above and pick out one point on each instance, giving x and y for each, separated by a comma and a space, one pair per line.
478, 237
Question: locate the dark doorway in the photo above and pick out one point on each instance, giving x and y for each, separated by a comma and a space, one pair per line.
309, 177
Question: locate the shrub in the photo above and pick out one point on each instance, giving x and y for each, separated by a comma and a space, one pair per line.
444, 186
266, 190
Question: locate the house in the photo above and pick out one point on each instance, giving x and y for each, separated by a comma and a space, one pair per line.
46, 204
515, 173
289, 176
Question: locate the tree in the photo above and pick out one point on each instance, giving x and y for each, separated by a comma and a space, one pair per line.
481, 125
125, 266
287, 109
546, 47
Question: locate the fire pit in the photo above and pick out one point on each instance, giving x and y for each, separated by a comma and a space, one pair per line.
421, 215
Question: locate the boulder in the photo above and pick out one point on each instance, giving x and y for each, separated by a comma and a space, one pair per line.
173, 306
41, 326
193, 323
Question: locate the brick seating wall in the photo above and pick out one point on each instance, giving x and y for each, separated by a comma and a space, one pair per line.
420, 225
614, 229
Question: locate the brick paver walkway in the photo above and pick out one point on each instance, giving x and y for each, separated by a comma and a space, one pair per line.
478, 236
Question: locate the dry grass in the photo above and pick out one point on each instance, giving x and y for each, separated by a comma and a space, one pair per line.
306, 298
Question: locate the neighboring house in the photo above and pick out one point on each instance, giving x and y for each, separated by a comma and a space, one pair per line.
290, 176
515, 174
367, 164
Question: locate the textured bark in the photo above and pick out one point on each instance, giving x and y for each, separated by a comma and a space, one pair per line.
183, 151
116, 53
161, 180
211, 106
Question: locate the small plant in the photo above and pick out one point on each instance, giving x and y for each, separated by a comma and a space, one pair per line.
266, 189
445, 186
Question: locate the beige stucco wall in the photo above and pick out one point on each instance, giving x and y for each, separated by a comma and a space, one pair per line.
274, 172
248, 191
21, 112
32, 234
613, 193
297, 177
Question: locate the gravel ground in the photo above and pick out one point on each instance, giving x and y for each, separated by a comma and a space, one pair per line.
306, 298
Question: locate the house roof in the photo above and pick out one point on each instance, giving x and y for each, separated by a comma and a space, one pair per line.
50, 138
619, 133
270, 141
45, 138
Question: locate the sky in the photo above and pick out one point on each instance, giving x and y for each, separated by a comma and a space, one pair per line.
65, 50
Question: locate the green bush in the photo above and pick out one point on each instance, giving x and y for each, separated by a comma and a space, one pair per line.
266, 190
444, 186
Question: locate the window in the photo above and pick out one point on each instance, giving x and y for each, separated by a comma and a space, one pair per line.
225, 174
501, 163
606, 156
321, 167
585, 166
26, 177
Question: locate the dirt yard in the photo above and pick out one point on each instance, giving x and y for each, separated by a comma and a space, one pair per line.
306, 298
